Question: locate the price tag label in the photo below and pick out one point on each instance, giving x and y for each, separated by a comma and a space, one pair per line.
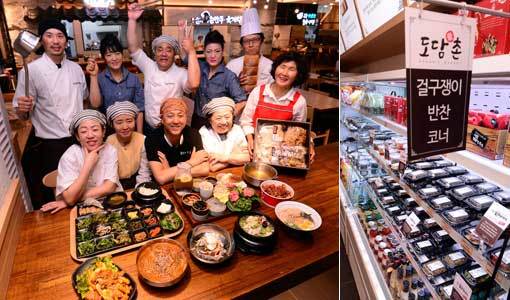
461, 290
413, 221
493, 223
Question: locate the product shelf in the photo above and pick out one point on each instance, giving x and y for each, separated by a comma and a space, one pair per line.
470, 250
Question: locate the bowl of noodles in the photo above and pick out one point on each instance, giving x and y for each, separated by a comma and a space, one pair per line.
298, 216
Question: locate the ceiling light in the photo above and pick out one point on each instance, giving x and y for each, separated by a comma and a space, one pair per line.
210, 2
254, 1
314, 3
296, 11
267, 1
266, 6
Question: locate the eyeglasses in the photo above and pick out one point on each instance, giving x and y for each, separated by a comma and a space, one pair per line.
253, 40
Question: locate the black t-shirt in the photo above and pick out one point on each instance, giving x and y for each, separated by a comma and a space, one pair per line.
174, 154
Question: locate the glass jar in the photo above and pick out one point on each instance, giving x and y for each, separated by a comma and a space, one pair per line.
183, 180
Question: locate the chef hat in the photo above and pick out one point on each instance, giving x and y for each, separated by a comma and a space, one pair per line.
165, 39
86, 114
217, 104
121, 108
250, 23
173, 104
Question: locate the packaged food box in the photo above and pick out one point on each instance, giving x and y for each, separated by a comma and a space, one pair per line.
502, 197
437, 173
505, 262
493, 31
442, 163
471, 178
487, 134
441, 203
416, 175
450, 182
455, 259
442, 238
487, 187
429, 192
424, 247
463, 192
456, 216
434, 268
480, 203
456, 170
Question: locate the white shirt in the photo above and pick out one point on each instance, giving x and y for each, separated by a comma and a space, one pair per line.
213, 144
71, 163
58, 95
159, 85
298, 111
264, 73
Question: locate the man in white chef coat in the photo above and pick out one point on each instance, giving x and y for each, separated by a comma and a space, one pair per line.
251, 41
162, 78
57, 89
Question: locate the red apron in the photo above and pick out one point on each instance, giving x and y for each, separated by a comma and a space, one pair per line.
266, 110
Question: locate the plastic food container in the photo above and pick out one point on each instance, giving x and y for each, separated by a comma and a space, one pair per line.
456, 216
434, 268
502, 197
424, 247
441, 203
455, 259
442, 239
487, 187
471, 178
430, 223
429, 192
450, 182
416, 175
426, 165
456, 170
442, 163
480, 203
437, 173
463, 192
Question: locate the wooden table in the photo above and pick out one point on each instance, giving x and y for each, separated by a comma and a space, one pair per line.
43, 266
320, 102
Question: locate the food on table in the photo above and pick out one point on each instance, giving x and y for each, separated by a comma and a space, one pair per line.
216, 208
434, 268
189, 199
294, 136
85, 210
100, 218
256, 225
84, 235
145, 191
122, 238
119, 225
133, 215
146, 211
86, 248
164, 208
162, 262
196, 184
455, 259
171, 222
140, 236
150, 221
116, 199
277, 190
103, 280
183, 182
154, 232
221, 192
102, 230
200, 208
209, 246
83, 223
135, 225
105, 243
296, 218
92, 202
115, 215
130, 205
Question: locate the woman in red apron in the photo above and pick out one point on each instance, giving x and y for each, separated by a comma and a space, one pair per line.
279, 100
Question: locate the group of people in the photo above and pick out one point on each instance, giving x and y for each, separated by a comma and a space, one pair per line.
149, 123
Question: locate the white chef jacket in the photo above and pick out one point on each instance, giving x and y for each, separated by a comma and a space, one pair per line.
58, 95
71, 164
264, 73
159, 85
213, 144
298, 111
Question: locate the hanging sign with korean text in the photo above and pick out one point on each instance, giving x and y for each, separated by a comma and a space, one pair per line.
439, 59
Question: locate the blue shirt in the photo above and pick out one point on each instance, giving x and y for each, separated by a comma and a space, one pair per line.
128, 89
224, 83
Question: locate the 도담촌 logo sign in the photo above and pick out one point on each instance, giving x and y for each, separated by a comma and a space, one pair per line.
207, 18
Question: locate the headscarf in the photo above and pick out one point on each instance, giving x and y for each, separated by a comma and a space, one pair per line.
86, 114
173, 104
121, 108
165, 39
217, 104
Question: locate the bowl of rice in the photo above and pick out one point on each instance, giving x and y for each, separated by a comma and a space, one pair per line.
147, 193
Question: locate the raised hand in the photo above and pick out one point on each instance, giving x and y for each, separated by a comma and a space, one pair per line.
134, 11
92, 67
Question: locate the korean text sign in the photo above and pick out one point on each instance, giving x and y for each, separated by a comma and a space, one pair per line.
439, 57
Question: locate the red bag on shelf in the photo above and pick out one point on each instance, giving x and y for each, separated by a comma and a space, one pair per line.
388, 102
493, 31
400, 111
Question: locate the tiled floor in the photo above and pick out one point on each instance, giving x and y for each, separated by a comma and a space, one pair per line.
323, 286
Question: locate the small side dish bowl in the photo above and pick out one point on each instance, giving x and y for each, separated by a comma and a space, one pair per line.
116, 200
274, 192
298, 217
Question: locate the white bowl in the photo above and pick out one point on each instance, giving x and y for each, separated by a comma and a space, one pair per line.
317, 220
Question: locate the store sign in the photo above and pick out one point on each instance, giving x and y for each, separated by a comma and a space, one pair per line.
493, 223
439, 59
375, 13
461, 290
206, 18
350, 28
307, 19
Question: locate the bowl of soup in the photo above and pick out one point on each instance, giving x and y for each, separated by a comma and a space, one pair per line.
255, 173
298, 216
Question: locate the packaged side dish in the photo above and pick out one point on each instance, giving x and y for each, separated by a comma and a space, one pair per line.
450, 182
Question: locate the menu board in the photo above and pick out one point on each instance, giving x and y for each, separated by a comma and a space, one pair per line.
375, 13
350, 28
